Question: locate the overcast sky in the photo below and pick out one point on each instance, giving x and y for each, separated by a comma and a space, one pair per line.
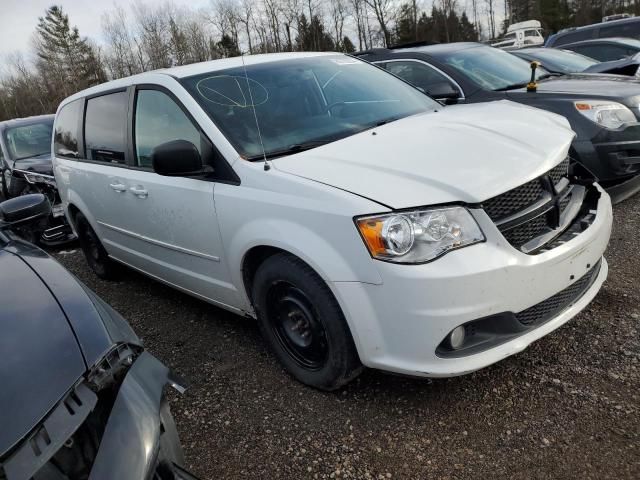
19, 18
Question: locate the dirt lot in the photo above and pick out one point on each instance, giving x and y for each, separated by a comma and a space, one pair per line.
568, 407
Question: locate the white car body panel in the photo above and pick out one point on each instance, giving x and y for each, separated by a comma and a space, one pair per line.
195, 234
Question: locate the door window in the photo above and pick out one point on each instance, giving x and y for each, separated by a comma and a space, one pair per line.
65, 137
627, 29
422, 76
105, 128
604, 53
159, 120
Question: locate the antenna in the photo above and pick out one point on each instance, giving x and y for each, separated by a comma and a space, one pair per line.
267, 167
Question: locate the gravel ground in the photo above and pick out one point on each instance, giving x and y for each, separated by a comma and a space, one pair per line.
567, 407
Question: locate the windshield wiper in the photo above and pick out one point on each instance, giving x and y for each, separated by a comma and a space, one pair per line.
513, 86
290, 150
32, 156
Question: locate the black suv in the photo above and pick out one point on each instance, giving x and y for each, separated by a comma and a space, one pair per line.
602, 110
25, 168
625, 27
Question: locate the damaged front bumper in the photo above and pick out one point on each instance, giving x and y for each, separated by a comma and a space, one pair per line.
139, 440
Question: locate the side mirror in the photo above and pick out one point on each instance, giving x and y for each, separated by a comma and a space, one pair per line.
24, 209
178, 158
444, 91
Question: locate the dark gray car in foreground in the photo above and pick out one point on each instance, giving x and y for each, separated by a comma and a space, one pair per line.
80, 398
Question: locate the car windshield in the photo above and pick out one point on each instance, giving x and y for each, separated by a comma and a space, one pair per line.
561, 60
29, 140
490, 68
302, 103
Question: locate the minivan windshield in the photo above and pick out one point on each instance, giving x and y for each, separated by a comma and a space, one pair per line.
490, 68
302, 103
31, 140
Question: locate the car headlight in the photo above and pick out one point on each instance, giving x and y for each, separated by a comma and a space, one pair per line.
418, 236
34, 178
610, 115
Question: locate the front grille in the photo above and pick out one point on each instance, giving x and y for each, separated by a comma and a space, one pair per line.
552, 306
503, 209
559, 171
514, 200
521, 234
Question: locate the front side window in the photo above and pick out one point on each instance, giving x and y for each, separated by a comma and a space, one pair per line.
160, 120
26, 141
65, 140
105, 128
490, 68
421, 75
303, 102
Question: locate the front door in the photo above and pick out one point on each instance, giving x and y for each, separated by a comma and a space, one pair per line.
167, 226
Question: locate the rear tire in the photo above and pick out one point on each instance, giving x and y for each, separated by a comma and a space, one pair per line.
303, 324
97, 257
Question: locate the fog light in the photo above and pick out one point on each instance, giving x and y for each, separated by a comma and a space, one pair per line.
456, 337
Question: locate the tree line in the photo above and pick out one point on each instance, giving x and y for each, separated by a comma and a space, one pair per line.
147, 37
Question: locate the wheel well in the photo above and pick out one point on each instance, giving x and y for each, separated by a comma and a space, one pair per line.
73, 211
252, 261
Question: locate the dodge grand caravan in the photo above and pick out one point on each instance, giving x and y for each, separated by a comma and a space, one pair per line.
361, 222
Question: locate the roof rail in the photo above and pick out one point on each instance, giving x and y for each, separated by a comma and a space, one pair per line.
421, 43
370, 51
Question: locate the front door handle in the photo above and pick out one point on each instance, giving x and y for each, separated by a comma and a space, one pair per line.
118, 187
139, 192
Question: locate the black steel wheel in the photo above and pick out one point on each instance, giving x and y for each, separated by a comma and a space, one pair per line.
303, 323
94, 252
295, 324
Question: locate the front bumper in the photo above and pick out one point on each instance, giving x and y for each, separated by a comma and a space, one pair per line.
140, 437
398, 326
613, 156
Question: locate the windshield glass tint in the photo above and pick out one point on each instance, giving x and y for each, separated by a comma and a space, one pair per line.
29, 140
562, 61
490, 68
302, 101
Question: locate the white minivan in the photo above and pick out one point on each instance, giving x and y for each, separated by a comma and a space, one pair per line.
361, 222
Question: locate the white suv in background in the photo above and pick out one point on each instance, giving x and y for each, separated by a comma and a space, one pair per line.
360, 221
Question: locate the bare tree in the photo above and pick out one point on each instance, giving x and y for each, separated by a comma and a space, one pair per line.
384, 12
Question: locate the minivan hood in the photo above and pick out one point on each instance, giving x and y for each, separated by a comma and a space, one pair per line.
41, 359
465, 153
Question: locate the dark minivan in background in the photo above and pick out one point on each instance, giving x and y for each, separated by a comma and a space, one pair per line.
626, 27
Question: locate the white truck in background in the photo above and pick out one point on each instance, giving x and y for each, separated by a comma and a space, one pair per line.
521, 34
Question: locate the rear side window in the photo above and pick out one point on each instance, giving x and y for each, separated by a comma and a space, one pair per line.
65, 138
160, 120
105, 128
627, 29
604, 53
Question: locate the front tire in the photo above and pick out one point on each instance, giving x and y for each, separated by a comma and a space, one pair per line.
96, 255
303, 323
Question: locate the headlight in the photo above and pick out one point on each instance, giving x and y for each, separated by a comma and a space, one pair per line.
39, 178
418, 236
610, 115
